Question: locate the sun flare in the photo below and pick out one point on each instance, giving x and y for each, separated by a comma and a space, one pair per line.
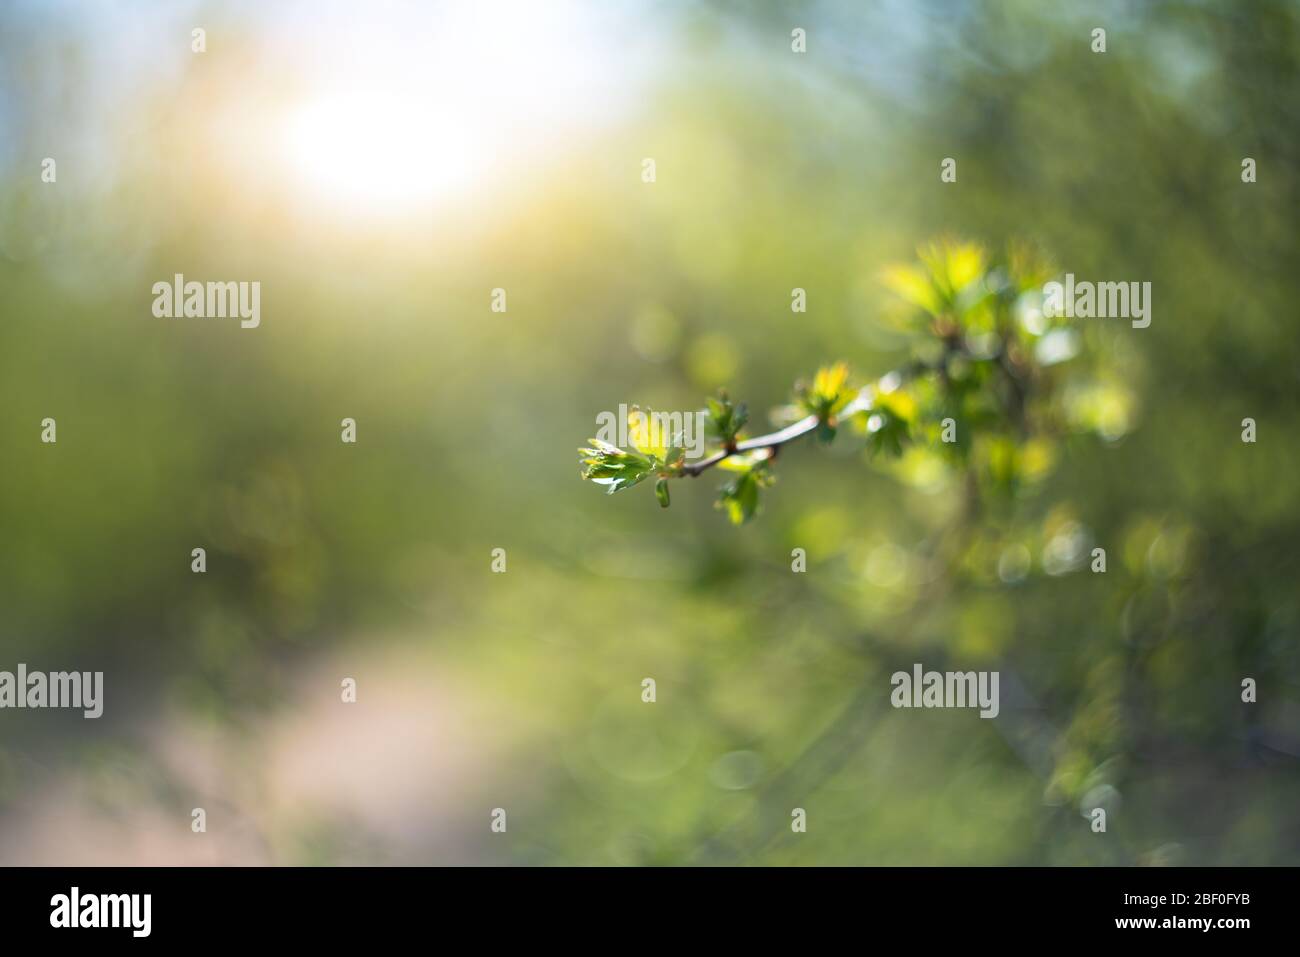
378, 150
481, 90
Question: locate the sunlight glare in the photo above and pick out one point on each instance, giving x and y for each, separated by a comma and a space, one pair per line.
378, 149
477, 90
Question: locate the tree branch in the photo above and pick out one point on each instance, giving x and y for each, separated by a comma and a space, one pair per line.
773, 440
769, 441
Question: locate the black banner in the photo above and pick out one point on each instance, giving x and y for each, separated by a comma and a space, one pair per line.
235, 905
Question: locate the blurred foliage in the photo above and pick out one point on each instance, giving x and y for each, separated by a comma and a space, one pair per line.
775, 171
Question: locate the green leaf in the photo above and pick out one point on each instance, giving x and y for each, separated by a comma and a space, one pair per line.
745, 461
886, 433
646, 433
739, 497
722, 420
830, 393
661, 492
609, 465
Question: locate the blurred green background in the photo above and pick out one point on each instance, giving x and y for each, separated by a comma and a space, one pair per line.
380, 169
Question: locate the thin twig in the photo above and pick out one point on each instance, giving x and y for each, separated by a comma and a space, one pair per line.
773, 440
769, 441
